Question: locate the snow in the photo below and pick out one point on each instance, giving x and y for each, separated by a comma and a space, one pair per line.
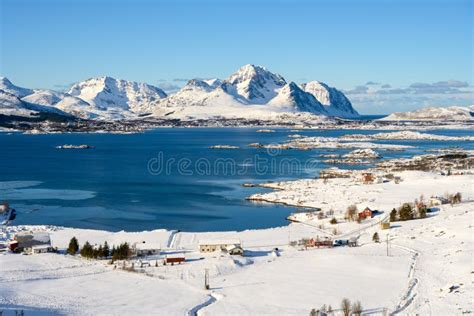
107, 93
427, 271
255, 84
406, 135
10, 104
337, 194
456, 113
60, 238
8, 87
251, 92
363, 153
334, 101
306, 143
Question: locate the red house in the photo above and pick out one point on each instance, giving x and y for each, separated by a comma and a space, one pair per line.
367, 213
174, 260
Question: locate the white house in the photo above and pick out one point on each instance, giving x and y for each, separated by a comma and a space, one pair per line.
146, 249
218, 245
37, 249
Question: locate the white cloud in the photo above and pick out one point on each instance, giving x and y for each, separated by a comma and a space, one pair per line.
382, 98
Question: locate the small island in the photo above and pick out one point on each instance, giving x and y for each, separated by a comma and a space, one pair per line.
69, 146
224, 147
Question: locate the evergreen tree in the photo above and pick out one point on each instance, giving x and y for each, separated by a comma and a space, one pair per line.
105, 250
375, 237
121, 252
87, 250
393, 215
406, 212
422, 212
100, 251
73, 247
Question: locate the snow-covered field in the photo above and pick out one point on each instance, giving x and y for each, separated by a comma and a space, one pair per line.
428, 270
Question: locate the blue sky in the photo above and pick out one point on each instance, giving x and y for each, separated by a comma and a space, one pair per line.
346, 43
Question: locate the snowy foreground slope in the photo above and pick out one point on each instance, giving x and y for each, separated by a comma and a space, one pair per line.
452, 113
428, 270
251, 92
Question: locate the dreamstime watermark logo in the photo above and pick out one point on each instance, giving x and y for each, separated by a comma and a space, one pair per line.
269, 162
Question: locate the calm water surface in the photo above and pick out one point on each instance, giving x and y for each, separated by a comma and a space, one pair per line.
111, 187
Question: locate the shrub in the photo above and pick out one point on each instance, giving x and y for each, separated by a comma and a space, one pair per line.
406, 212
333, 221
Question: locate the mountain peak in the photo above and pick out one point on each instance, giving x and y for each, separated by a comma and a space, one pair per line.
107, 92
7, 86
255, 84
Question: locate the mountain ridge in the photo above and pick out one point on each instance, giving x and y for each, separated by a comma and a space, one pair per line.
250, 90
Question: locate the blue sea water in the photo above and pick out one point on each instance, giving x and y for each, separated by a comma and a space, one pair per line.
165, 178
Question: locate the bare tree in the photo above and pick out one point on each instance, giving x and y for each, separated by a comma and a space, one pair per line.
357, 308
330, 310
351, 213
346, 307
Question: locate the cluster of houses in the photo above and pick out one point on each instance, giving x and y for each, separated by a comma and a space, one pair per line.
327, 242
31, 243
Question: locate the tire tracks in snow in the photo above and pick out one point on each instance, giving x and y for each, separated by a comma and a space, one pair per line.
196, 310
410, 294
172, 239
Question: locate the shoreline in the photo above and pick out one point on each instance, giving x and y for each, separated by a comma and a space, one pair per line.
123, 127
293, 270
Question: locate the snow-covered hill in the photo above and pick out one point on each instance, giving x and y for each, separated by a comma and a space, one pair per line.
453, 113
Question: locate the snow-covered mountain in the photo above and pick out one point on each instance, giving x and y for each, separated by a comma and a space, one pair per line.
107, 93
251, 92
333, 100
11, 105
60, 100
10, 88
293, 99
254, 84
452, 113
11, 102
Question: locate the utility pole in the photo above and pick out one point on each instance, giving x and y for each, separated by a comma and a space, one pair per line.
388, 245
206, 279
289, 240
